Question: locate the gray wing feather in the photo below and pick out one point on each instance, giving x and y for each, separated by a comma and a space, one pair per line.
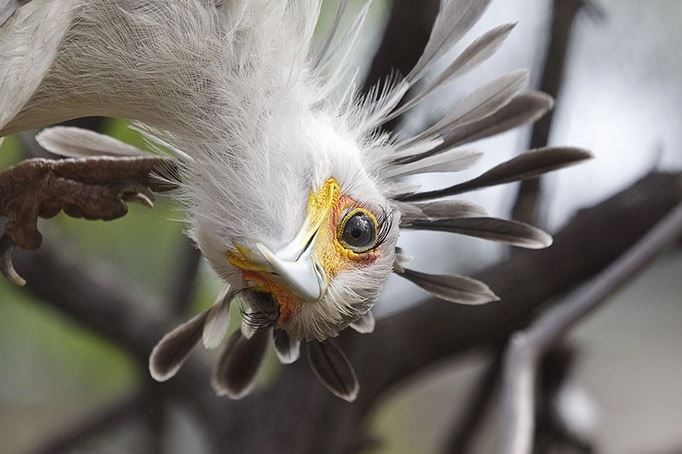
28, 44
8, 8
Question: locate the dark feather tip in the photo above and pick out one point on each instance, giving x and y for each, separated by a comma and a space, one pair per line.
333, 369
172, 350
235, 373
288, 350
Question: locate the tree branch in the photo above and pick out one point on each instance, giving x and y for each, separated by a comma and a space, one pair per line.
564, 13
461, 439
185, 281
95, 424
408, 29
527, 347
94, 295
402, 346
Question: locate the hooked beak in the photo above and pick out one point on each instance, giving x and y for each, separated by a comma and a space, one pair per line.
304, 276
296, 264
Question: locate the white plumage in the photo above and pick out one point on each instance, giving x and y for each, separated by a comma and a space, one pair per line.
259, 116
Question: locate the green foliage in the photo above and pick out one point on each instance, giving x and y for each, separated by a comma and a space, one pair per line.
10, 152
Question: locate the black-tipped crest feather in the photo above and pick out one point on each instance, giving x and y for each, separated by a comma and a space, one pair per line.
172, 350
523, 166
522, 109
480, 104
288, 350
493, 229
217, 319
333, 369
451, 287
454, 20
475, 54
238, 365
440, 209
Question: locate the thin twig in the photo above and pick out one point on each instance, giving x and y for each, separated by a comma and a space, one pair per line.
527, 347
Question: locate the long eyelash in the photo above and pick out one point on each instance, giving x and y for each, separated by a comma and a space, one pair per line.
261, 319
385, 221
258, 320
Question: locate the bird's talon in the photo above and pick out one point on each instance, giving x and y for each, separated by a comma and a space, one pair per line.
42, 188
6, 265
140, 198
136, 193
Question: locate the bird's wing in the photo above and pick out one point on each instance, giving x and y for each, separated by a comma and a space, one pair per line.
29, 40
66, 59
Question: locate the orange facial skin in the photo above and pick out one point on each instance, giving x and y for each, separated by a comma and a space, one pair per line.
329, 251
287, 301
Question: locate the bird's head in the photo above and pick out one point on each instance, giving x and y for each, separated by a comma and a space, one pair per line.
332, 270
313, 235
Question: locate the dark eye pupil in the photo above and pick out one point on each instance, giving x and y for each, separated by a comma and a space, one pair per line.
359, 231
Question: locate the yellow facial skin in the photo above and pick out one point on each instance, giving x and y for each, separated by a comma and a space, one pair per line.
327, 210
335, 257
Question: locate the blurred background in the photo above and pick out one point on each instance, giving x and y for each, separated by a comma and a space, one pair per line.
621, 370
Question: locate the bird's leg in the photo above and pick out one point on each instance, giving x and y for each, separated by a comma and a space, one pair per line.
95, 188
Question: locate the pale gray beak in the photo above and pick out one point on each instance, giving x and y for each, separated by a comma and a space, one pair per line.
303, 275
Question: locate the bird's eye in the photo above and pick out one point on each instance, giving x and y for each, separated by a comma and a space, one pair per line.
358, 231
